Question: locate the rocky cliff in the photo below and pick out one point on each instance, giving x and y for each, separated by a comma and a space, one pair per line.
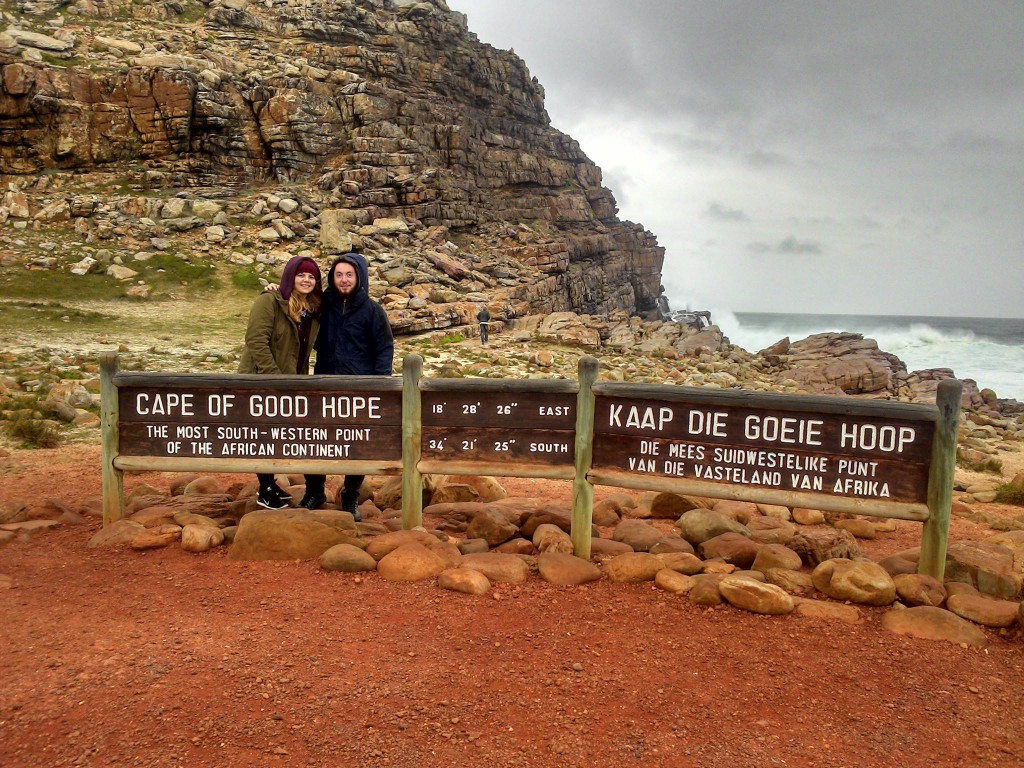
247, 132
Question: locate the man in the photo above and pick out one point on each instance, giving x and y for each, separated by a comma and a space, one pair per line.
355, 340
484, 318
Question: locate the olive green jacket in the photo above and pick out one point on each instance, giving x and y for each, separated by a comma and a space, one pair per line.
272, 338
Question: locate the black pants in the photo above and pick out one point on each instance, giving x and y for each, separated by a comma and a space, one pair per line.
315, 483
484, 328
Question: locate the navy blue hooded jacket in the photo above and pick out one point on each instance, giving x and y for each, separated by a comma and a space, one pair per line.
355, 336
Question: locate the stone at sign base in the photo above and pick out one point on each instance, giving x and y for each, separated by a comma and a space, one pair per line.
755, 596
566, 569
410, 562
464, 580
931, 623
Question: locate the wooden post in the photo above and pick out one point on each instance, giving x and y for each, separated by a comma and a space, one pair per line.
935, 537
582, 490
412, 432
113, 478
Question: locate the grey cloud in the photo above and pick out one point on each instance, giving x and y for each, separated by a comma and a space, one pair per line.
721, 212
792, 245
789, 246
895, 122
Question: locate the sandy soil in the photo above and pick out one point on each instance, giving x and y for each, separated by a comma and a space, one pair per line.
117, 658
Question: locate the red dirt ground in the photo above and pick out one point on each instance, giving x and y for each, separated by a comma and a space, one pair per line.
163, 658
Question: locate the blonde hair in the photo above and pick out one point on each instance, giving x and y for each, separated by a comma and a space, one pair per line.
298, 302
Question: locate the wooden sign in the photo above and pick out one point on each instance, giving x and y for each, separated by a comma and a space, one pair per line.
858, 455
492, 426
480, 426
263, 419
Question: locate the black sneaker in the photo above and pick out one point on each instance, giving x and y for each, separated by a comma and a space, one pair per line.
313, 500
272, 498
282, 494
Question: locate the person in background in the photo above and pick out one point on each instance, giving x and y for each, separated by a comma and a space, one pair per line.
282, 330
355, 340
484, 318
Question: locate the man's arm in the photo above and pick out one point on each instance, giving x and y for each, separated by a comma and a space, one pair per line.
384, 342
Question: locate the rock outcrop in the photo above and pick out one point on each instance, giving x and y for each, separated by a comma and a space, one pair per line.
389, 126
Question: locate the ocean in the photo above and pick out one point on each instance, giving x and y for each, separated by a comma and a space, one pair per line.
988, 350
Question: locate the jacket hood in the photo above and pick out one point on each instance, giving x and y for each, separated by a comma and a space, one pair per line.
362, 268
288, 276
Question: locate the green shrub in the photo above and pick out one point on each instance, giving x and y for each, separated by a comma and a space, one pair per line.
177, 270
33, 432
992, 466
1010, 494
247, 279
452, 338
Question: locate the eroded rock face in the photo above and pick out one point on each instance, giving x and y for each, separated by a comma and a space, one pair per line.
396, 114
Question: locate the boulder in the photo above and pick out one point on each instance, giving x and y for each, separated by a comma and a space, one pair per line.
754, 596
203, 485
705, 590
491, 526
464, 580
771, 530
118, 534
776, 556
382, 545
410, 562
289, 534
473, 546
816, 545
898, 564
640, 536
988, 564
930, 623
805, 516
671, 544
550, 514
565, 569
775, 510
551, 538
699, 525
200, 538
152, 517
516, 546
822, 609
858, 581
919, 589
673, 581
498, 567
634, 567
608, 548
662, 506
794, 582
861, 529
681, 562
156, 537
987, 611
740, 511
734, 548
347, 558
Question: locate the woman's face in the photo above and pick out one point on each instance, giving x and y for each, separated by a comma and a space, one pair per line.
305, 283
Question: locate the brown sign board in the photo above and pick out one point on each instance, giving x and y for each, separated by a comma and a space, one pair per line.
860, 456
482, 426
259, 423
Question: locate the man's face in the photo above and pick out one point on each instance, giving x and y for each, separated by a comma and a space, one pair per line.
344, 277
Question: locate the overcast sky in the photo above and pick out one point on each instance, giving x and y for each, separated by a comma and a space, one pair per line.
842, 157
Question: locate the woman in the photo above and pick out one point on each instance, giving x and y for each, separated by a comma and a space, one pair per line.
282, 328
